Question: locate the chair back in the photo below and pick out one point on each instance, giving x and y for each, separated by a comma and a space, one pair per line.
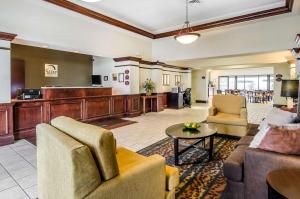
100, 142
229, 103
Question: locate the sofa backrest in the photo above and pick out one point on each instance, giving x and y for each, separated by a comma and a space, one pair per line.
66, 168
100, 142
229, 103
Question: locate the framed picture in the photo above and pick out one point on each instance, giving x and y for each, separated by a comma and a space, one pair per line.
51, 70
105, 78
121, 77
126, 71
127, 77
126, 83
115, 77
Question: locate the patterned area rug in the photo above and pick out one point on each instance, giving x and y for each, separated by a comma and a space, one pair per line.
202, 180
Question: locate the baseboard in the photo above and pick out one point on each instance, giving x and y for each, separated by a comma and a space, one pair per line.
201, 101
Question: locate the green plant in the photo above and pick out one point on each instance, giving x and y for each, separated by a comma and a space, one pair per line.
149, 85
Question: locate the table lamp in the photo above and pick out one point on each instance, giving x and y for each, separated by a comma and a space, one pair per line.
289, 88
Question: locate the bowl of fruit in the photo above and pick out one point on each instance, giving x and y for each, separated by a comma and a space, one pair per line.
191, 125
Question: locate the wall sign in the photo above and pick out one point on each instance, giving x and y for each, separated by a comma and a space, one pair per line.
51, 70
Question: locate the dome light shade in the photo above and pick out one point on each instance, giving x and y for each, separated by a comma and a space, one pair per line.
187, 38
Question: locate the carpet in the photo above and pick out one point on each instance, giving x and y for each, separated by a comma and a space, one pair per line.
112, 123
202, 180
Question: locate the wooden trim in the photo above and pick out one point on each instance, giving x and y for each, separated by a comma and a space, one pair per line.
239, 19
7, 36
4, 48
119, 66
96, 15
141, 61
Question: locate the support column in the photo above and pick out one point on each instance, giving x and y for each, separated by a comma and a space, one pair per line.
6, 107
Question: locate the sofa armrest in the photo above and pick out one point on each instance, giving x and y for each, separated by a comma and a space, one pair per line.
258, 163
243, 113
146, 179
212, 111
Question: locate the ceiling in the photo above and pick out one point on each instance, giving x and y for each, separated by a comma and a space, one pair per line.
241, 61
157, 16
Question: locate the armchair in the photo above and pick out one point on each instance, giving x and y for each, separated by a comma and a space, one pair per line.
229, 114
77, 160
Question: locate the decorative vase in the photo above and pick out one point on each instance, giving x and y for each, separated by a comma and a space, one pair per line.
148, 93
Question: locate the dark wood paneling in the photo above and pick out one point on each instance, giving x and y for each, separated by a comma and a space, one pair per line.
6, 124
133, 105
239, 19
90, 13
165, 99
26, 117
17, 76
69, 108
7, 36
97, 107
118, 105
62, 93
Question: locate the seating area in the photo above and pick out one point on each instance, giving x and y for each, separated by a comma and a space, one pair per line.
173, 99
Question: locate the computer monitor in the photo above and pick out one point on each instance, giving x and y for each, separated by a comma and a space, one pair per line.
96, 80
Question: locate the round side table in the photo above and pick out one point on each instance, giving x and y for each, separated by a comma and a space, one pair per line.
284, 183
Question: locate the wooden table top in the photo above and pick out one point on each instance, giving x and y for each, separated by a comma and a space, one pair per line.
286, 182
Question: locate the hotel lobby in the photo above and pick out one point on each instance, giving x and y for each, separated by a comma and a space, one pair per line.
183, 99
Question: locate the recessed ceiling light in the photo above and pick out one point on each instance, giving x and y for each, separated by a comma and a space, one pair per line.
91, 1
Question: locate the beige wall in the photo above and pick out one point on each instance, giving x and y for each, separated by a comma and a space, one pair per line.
73, 69
284, 70
199, 85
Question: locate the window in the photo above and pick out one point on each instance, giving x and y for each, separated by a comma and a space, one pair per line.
271, 82
251, 83
232, 83
166, 79
240, 83
177, 80
223, 83
263, 82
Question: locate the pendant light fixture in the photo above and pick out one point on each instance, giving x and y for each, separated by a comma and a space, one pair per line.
186, 35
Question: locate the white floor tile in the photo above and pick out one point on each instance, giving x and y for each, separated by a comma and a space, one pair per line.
13, 193
7, 183
32, 192
28, 181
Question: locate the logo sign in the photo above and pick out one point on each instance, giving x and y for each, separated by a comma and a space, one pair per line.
51, 70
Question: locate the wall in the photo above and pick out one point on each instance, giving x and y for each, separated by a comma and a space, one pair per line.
214, 74
5, 95
284, 70
199, 85
268, 35
73, 69
41, 22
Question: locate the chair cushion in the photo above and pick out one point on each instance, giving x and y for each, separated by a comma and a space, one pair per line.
234, 164
246, 140
227, 118
229, 103
100, 141
172, 174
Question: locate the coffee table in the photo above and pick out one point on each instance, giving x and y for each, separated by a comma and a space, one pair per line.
178, 132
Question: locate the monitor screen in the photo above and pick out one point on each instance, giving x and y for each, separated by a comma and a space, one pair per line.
96, 80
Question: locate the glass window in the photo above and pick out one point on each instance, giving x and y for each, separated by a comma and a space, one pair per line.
232, 82
271, 82
166, 79
223, 83
263, 82
251, 82
177, 80
240, 83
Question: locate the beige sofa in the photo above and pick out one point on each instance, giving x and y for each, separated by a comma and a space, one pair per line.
77, 160
229, 114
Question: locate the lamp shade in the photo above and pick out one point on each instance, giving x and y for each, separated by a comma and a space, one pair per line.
289, 88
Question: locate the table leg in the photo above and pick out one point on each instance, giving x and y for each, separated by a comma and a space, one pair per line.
144, 105
211, 147
151, 105
176, 152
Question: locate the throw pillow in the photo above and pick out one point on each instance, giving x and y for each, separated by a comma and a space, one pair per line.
277, 117
259, 137
282, 141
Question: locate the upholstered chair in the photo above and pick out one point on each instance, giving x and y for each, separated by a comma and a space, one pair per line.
77, 160
229, 114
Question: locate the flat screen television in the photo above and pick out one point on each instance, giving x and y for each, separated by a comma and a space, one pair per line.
96, 80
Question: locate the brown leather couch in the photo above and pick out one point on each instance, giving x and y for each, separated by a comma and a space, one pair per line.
246, 169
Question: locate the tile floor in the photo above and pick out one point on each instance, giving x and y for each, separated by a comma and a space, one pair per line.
18, 176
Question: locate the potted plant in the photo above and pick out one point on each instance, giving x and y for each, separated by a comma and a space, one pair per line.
149, 86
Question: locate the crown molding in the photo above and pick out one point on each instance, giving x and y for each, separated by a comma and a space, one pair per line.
157, 63
7, 36
239, 19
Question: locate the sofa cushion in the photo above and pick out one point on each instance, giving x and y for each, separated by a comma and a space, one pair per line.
100, 141
246, 140
234, 164
172, 174
227, 118
229, 103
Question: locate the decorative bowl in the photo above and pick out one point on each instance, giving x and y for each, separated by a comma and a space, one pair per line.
191, 125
